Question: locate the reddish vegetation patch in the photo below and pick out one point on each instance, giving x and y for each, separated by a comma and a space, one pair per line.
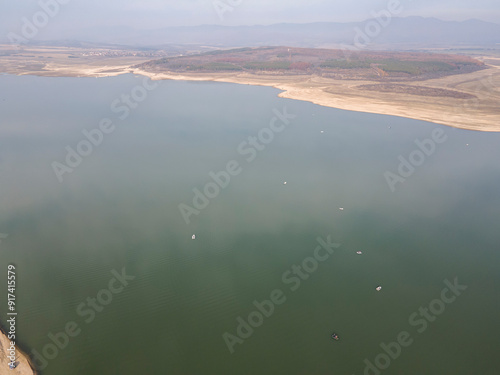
300, 65
231, 60
339, 64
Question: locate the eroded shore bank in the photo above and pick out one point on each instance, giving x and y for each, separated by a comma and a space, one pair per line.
23, 364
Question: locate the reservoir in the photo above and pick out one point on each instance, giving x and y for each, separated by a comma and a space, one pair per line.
209, 228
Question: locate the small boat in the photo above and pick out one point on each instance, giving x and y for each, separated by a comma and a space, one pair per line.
341, 208
359, 252
335, 336
378, 288
284, 183
193, 237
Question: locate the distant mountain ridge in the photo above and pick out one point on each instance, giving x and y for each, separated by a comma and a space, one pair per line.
400, 32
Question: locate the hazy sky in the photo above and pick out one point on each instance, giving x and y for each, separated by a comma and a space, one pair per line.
163, 13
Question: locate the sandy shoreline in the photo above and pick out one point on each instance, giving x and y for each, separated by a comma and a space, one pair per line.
481, 112
24, 366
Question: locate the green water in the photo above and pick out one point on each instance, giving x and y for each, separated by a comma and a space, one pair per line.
120, 209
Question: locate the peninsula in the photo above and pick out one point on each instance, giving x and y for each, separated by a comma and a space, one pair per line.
449, 89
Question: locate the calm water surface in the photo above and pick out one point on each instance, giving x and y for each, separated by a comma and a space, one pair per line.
120, 209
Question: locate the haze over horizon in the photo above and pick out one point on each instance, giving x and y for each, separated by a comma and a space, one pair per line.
155, 14
242, 187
